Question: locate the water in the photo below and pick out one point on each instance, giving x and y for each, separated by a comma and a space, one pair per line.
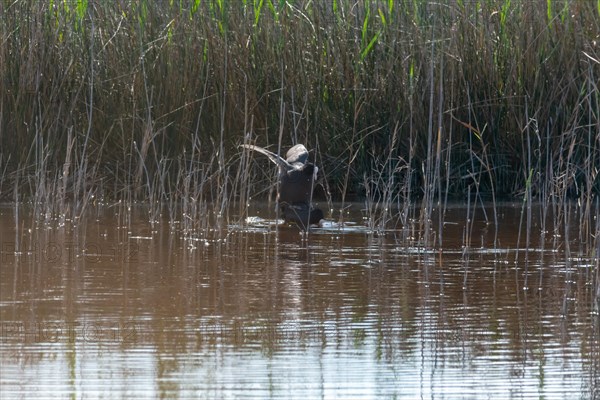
112, 306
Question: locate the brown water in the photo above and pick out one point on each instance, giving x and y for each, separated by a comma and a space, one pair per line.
111, 306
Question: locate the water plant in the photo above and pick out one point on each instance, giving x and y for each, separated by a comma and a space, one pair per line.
405, 101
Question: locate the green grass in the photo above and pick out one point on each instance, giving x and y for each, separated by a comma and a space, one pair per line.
132, 99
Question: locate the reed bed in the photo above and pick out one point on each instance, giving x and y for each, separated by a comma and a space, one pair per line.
403, 101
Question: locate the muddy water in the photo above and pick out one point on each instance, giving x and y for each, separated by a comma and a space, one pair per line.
111, 306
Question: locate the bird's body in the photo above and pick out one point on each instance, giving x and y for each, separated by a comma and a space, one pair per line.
296, 181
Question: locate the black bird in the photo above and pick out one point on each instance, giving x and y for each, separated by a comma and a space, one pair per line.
296, 181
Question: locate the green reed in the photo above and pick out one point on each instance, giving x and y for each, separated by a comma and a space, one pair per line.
141, 100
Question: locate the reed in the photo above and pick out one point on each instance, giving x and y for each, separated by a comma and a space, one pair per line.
404, 100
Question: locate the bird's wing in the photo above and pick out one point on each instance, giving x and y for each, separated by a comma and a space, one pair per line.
281, 163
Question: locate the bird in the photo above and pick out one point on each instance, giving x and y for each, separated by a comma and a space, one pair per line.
296, 181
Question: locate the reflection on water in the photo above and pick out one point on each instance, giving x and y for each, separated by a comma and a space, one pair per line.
112, 306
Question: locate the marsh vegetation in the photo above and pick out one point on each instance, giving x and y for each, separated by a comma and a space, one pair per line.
403, 102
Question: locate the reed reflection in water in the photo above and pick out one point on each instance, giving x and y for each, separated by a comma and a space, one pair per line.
113, 306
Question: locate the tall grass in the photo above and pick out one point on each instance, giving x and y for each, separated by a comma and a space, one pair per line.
143, 100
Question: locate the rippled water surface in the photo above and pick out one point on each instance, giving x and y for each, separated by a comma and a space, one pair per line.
112, 306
